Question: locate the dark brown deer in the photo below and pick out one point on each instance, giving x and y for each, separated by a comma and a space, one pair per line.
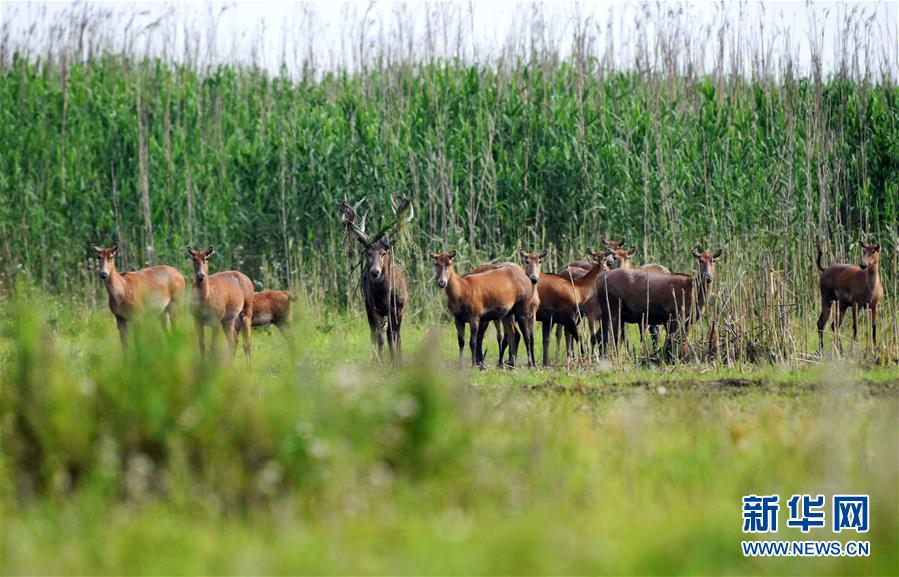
562, 301
499, 292
158, 289
224, 299
849, 285
384, 287
273, 308
638, 297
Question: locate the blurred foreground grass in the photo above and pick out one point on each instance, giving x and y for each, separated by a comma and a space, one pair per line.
156, 462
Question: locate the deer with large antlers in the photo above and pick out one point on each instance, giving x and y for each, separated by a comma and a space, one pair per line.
224, 299
154, 289
848, 285
383, 282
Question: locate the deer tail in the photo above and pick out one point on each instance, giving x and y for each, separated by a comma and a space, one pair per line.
819, 255
291, 297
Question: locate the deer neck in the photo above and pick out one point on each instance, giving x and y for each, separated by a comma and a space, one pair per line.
703, 291
872, 277
587, 283
115, 285
453, 286
201, 289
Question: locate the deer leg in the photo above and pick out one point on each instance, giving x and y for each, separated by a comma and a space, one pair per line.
854, 322
838, 322
874, 325
398, 337
571, 336
822, 321
502, 341
508, 339
474, 325
230, 329
284, 327
559, 331
246, 325
482, 332
122, 325
460, 337
547, 329
528, 338
201, 338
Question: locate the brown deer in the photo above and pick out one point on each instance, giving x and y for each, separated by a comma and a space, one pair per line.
562, 302
273, 308
573, 271
621, 258
154, 289
499, 292
384, 287
224, 298
614, 255
639, 297
849, 285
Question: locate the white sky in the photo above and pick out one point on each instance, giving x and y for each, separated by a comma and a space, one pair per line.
271, 33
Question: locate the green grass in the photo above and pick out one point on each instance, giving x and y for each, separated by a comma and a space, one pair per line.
157, 462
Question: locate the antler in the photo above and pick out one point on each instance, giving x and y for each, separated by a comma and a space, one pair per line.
398, 208
348, 215
359, 232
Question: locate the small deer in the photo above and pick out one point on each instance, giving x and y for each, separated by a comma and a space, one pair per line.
273, 308
224, 298
154, 289
503, 291
853, 286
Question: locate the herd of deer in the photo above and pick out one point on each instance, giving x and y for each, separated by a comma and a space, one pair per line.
605, 290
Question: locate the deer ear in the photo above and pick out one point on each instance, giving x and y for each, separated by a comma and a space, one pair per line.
695, 253
862, 243
191, 251
95, 248
717, 254
433, 255
544, 253
452, 255
522, 254
632, 250
621, 241
115, 247
877, 247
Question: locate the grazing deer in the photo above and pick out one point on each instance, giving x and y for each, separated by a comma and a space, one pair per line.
154, 289
853, 286
273, 308
383, 283
639, 297
498, 292
562, 301
224, 298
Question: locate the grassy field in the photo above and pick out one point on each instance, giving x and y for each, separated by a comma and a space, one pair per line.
157, 462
